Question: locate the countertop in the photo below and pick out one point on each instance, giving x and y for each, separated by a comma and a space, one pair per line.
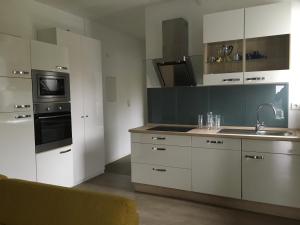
204, 132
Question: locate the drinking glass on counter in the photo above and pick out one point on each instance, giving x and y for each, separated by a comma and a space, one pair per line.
217, 122
200, 121
210, 120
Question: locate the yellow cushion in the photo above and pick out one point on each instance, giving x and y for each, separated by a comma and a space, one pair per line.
2, 177
27, 203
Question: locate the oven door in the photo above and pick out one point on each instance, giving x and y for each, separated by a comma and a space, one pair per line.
52, 131
50, 87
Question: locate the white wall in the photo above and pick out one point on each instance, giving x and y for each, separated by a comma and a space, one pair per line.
122, 58
24, 17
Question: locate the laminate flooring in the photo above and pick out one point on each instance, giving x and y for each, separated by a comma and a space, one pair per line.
157, 210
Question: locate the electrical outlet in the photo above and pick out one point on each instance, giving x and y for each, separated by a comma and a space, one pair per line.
295, 106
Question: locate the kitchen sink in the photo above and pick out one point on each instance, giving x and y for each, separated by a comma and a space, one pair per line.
172, 128
253, 132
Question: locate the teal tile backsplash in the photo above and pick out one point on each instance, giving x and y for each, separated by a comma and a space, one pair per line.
236, 104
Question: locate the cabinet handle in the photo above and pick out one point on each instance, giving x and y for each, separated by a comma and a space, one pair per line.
82, 117
215, 142
86, 116
64, 152
158, 138
22, 116
159, 170
22, 106
158, 149
20, 72
61, 67
255, 78
260, 157
231, 80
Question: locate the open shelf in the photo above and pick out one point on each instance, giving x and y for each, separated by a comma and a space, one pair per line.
273, 50
217, 60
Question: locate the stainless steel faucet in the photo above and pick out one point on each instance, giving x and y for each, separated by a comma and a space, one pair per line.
259, 124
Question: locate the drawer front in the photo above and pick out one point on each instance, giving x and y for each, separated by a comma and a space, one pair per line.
217, 143
164, 155
216, 172
161, 139
265, 77
161, 176
281, 147
223, 79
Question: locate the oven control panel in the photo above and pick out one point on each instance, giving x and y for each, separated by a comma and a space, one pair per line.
51, 107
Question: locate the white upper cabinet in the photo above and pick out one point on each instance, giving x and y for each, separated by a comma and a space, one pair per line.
14, 57
49, 57
223, 26
268, 20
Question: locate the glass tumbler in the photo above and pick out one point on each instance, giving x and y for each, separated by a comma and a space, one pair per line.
217, 122
200, 121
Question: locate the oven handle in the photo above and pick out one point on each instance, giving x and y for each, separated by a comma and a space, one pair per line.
51, 117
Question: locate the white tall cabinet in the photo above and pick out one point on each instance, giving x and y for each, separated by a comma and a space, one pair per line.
86, 100
17, 151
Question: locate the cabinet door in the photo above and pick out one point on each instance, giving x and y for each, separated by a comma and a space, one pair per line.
56, 167
271, 178
15, 94
14, 57
216, 172
93, 107
73, 43
223, 26
268, 20
49, 57
17, 152
267, 77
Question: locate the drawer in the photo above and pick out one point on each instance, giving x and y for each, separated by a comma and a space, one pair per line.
281, 147
161, 139
216, 143
161, 176
173, 156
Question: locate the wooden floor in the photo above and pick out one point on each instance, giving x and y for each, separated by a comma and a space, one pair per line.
156, 210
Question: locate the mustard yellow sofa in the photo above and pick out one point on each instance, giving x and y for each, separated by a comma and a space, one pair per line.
28, 203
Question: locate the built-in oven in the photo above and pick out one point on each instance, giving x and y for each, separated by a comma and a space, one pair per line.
50, 86
53, 126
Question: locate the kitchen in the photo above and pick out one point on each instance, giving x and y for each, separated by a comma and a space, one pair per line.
211, 114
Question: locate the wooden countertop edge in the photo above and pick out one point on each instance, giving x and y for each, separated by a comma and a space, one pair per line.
213, 133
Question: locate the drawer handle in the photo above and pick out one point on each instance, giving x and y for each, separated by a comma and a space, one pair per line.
22, 106
22, 116
158, 138
255, 78
158, 149
260, 157
159, 170
61, 67
214, 142
20, 72
64, 152
231, 79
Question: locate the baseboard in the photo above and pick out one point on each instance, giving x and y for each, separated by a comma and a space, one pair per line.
89, 177
274, 210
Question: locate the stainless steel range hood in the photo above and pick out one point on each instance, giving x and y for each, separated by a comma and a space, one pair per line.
175, 68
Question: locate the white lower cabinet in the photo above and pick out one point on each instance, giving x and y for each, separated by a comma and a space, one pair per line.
216, 166
56, 167
159, 160
163, 176
271, 174
17, 151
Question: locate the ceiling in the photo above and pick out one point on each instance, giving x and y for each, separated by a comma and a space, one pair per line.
124, 15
